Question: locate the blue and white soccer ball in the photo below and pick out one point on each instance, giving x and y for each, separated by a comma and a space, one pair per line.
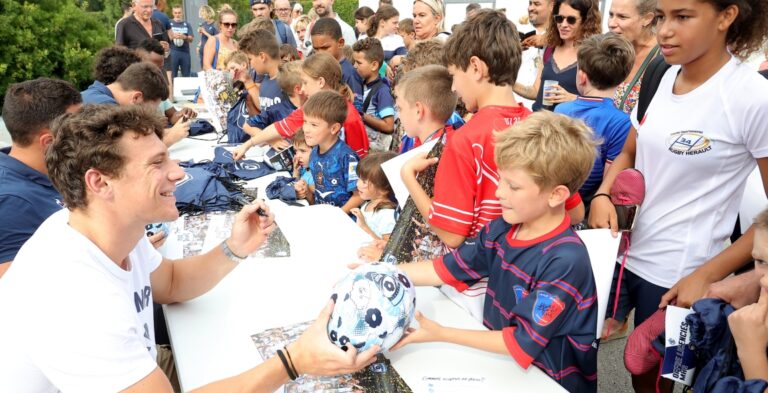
374, 306
151, 229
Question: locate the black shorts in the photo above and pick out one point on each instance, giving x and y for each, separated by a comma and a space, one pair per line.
635, 293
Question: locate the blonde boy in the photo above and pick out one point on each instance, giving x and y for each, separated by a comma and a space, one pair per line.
425, 102
333, 164
540, 304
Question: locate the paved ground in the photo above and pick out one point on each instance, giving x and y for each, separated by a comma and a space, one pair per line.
612, 376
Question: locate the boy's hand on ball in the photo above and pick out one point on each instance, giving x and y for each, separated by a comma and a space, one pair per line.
428, 331
314, 354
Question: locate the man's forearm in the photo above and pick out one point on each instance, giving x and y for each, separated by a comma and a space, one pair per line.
353, 202
194, 276
264, 378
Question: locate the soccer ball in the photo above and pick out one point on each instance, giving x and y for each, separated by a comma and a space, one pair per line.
152, 229
374, 305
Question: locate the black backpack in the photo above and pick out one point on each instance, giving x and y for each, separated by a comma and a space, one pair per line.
651, 81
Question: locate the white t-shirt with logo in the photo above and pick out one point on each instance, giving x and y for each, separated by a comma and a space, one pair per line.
695, 151
72, 320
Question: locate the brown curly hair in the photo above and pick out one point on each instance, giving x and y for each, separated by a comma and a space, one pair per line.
589, 11
749, 30
89, 139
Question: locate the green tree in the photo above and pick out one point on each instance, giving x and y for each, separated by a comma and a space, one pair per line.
51, 38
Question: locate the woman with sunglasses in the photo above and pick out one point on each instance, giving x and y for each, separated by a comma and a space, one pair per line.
218, 49
573, 21
633, 19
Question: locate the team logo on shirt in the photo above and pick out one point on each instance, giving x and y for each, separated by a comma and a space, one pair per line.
520, 293
547, 308
688, 143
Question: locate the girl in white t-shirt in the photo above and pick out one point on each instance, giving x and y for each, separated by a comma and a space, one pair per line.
703, 133
377, 214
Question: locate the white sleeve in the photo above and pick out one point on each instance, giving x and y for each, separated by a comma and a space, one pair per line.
90, 343
148, 254
754, 116
633, 118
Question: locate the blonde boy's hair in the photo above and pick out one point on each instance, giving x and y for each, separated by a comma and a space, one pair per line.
430, 85
289, 77
302, 22
761, 221
237, 57
554, 149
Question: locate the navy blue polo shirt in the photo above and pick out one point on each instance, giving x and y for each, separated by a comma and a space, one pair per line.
98, 93
27, 198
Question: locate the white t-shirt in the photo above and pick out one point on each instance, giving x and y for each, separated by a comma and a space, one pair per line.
381, 222
528, 72
73, 320
695, 151
346, 31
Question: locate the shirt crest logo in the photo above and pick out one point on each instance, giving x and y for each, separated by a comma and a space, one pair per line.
688, 143
547, 308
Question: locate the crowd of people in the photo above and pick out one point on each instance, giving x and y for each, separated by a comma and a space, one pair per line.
530, 131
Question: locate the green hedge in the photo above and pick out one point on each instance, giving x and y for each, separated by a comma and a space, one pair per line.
54, 38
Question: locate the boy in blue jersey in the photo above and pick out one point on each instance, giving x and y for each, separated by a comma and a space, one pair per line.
604, 61
326, 37
333, 164
264, 55
540, 305
379, 114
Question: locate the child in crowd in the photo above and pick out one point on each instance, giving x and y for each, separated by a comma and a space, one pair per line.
207, 28
319, 72
483, 58
384, 28
378, 107
237, 66
540, 305
749, 324
289, 80
303, 44
288, 53
326, 38
702, 134
332, 163
425, 102
377, 214
363, 16
301, 171
423, 53
603, 61
405, 30
264, 55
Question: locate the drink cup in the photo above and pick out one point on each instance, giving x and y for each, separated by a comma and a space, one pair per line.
548, 87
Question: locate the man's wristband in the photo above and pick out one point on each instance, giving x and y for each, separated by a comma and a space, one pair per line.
250, 86
603, 195
288, 369
229, 254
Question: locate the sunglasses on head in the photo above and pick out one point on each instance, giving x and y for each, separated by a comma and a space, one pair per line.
570, 19
229, 25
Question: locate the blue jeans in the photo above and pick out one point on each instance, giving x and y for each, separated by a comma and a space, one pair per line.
183, 60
